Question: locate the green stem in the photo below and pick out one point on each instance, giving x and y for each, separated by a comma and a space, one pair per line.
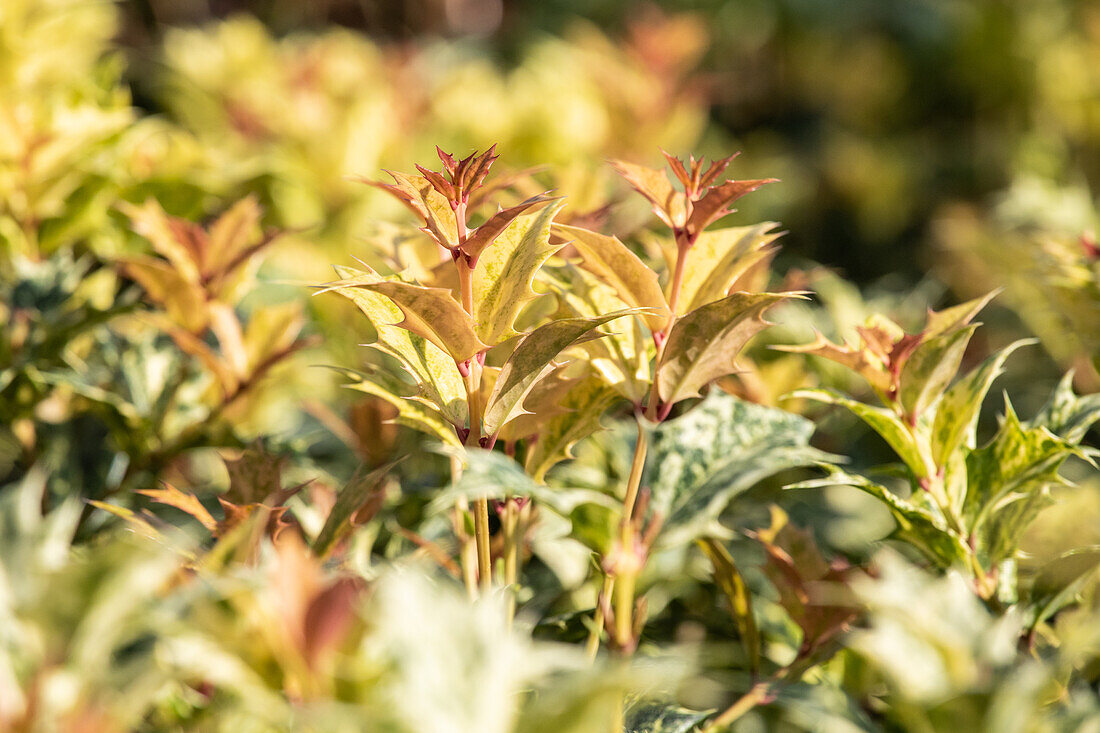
756, 695
592, 647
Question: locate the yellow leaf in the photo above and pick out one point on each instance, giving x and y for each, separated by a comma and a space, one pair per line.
718, 259
433, 314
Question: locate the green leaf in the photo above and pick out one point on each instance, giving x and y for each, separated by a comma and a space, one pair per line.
931, 367
586, 403
433, 314
417, 193
348, 502
732, 584
504, 274
954, 318
923, 527
433, 370
650, 718
1066, 414
614, 262
703, 345
1008, 483
957, 413
531, 361
882, 421
1058, 583
699, 462
719, 258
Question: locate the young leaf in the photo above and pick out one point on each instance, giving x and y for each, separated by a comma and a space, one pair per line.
704, 344
1067, 415
668, 203
719, 258
183, 501
930, 368
418, 194
531, 361
700, 461
732, 585
957, 413
411, 411
486, 234
504, 274
717, 201
433, 314
882, 421
613, 261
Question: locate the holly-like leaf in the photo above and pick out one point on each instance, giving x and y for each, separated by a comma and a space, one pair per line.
614, 262
504, 274
1008, 483
183, 501
486, 234
812, 591
542, 403
434, 315
957, 413
668, 203
585, 404
719, 258
931, 367
531, 361
359, 491
418, 194
699, 462
732, 584
183, 300
882, 421
922, 526
1067, 415
717, 201
412, 412
704, 344
651, 718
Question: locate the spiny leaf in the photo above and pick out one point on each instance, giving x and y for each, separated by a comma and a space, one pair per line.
957, 413
882, 421
1066, 414
183, 501
651, 718
732, 585
700, 461
504, 274
433, 314
411, 411
668, 203
531, 361
350, 499
923, 527
418, 194
1008, 483
717, 201
956, 317
931, 367
613, 261
585, 404
719, 258
542, 403
704, 344
486, 234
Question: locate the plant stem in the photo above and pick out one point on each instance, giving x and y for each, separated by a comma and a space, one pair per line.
633, 482
756, 695
592, 647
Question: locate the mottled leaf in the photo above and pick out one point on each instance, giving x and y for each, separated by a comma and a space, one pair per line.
719, 258
651, 718
931, 367
1066, 414
486, 234
586, 403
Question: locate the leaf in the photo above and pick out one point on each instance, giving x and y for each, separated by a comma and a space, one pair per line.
1008, 483
650, 718
185, 502
182, 243
957, 413
930, 368
1058, 582
716, 202
434, 371
954, 318
411, 412
729, 580
668, 203
704, 344
232, 233
256, 476
183, 300
1067, 415
700, 461
531, 361
418, 194
434, 315
882, 421
719, 258
585, 404
614, 262
542, 403
923, 527
486, 234
502, 279
812, 591
359, 491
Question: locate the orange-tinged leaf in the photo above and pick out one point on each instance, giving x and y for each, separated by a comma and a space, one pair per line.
185, 502
418, 194
180, 242
487, 233
719, 258
668, 203
617, 265
716, 202
182, 299
224, 324
232, 233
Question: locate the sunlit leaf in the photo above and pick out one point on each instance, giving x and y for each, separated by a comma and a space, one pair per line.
585, 404
719, 258
486, 234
